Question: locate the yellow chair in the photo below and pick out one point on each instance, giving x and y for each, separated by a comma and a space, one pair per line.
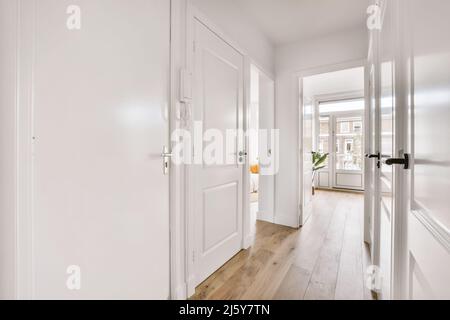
254, 169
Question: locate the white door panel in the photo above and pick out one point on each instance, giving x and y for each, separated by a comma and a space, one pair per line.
385, 253
427, 190
100, 196
348, 148
428, 262
221, 225
218, 103
349, 180
386, 136
372, 196
413, 98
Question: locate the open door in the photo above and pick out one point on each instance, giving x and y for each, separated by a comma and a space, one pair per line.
266, 210
307, 120
428, 179
409, 122
388, 143
381, 138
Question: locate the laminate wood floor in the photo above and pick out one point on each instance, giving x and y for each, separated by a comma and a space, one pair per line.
323, 260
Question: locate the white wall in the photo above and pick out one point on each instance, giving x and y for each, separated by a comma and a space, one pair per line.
291, 59
8, 14
236, 25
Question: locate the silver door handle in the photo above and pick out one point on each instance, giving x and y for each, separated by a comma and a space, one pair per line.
166, 155
242, 154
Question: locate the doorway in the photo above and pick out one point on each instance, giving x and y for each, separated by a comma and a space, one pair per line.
332, 117
260, 123
333, 140
340, 134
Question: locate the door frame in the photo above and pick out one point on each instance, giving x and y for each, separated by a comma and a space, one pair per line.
191, 263
26, 37
297, 82
247, 84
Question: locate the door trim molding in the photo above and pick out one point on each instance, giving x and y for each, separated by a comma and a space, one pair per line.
177, 173
261, 215
436, 229
26, 19
297, 82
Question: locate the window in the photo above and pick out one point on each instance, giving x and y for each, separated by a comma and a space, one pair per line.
357, 127
345, 127
324, 136
349, 143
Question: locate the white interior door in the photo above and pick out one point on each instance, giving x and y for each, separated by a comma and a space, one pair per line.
372, 194
369, 188
428, 257
218, 192
348, 144
266, 198
100, 195
387, 144
324, 136
306, 152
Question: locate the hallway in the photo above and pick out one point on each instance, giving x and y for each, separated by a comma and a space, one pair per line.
325, 259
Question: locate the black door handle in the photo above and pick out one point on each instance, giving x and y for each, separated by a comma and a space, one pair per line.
403, 161
373, 156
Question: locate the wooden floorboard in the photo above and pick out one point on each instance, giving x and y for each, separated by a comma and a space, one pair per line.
325, 259
350, 281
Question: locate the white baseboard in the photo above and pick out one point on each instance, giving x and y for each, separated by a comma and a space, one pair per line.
248, 241
265, 216
180, 292
191, 285
287, 220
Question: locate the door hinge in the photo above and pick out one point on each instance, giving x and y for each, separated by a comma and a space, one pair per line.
193, 256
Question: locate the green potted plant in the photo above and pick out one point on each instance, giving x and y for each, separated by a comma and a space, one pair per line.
319, 162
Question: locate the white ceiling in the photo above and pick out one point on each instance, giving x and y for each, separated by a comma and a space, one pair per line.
344, 81
289, 21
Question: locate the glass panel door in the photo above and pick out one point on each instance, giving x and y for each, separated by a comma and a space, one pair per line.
324, 143
349, 143
348, 154
324, 136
